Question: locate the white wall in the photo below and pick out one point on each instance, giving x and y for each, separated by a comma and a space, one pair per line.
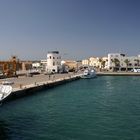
36, 65
53, 61
122, 59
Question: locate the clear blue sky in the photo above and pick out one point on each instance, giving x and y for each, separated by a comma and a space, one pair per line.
77, 28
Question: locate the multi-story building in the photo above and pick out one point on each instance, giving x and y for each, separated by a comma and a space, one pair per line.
10, 67
53, 62
122, 62
43, 64
85, 62
95, 62
71, 65
36, 65
92, 61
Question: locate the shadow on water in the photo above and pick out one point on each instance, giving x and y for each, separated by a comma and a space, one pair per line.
3, 130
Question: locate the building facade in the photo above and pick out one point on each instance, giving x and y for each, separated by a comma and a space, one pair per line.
85, 62
71, 65
9, 68
122, 62
95, 62
53, 62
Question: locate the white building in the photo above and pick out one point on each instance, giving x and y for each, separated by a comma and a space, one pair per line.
43, 61
85, 62
36, 65
43, 64
95, 62
123, 61
92, 61
53, 61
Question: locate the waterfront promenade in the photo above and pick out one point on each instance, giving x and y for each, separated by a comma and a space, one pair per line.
24, 83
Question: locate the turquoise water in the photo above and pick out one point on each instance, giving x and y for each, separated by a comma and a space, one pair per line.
105, 108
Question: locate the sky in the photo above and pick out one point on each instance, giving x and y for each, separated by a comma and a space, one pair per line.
78, 29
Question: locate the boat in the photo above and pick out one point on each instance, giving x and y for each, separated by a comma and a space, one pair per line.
5, 91
136, 70
88, 73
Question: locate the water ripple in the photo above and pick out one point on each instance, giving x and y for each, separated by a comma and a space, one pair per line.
105, 108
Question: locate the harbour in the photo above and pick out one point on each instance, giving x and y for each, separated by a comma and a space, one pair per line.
98, 108
69, 70
24, 86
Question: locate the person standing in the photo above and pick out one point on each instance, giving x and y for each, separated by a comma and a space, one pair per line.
49, 76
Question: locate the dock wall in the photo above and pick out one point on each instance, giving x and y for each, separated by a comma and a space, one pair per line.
34, 88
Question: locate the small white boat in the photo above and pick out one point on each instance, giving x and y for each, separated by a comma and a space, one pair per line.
88, 73
5, 91
136, 70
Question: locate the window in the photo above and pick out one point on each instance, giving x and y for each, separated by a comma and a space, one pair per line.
50, 57
53, 63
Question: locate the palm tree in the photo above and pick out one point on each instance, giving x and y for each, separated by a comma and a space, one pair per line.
103, 64
127, 63
112, 60
138, 62
100, 62
116, 63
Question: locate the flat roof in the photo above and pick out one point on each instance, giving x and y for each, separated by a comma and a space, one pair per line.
57, 52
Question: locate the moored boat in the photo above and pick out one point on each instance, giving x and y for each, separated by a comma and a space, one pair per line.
5, 91
88, 73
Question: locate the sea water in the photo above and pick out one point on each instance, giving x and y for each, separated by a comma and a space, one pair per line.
104, 108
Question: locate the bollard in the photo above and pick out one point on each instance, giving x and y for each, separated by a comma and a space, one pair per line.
20, 86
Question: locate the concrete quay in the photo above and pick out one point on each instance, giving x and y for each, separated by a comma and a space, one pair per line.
24, 86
